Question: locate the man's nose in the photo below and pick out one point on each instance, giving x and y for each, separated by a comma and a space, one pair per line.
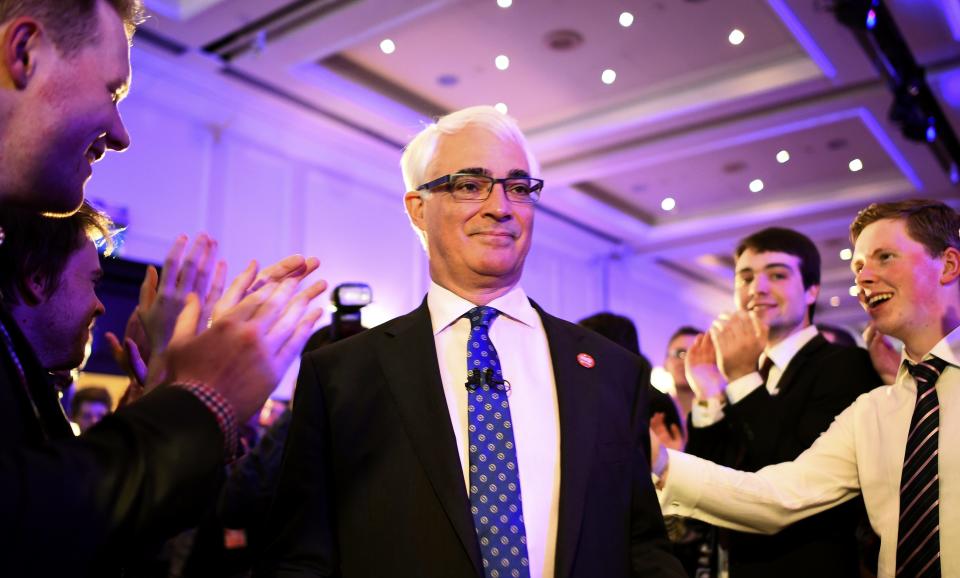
498, 204
118, 138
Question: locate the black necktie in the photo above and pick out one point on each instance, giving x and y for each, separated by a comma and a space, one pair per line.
918, 534
765, 369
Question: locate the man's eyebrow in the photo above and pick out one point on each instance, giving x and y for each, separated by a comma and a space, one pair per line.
121, 89
518, 173
765, 267
777, 265
475, 171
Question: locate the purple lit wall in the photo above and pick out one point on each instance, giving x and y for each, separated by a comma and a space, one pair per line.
268, 180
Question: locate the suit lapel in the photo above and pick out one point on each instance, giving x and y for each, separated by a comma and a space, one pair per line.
576, 401
788, 378
409, 358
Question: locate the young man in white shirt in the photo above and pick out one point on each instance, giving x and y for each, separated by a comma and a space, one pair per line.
886, 445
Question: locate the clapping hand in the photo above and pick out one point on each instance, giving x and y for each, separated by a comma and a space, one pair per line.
885, 358
740, 339
703, 373
162, 298
254, 336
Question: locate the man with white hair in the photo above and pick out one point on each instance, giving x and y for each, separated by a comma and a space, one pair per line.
477, 435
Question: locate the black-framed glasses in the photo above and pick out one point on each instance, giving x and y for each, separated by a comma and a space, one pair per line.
470, 187
680, 354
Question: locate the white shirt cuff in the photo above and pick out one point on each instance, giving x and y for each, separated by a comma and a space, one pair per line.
682, 490
743, 386
705, 413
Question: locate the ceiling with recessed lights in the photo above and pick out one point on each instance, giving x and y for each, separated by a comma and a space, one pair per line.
672, 126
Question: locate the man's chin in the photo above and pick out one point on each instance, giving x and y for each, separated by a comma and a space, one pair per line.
62, 204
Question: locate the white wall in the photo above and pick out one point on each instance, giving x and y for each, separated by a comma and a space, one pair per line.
268, 179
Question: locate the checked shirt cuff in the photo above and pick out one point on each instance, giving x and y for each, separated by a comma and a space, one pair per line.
220, 408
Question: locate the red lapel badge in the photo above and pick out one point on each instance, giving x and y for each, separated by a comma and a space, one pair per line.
586, 360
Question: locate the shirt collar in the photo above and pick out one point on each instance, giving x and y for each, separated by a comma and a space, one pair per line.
947, 349
783, 352
446, 307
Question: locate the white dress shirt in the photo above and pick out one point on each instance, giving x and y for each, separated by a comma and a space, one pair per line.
862, 452
521, 344
780, 354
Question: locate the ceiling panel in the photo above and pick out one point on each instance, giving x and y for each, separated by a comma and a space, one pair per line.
448, 55
719, 180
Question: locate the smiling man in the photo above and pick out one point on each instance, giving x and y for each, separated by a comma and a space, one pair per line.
63, 75
767, 385
886, 445
477, 435
49, 269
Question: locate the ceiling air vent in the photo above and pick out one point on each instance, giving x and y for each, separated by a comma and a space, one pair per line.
563, 40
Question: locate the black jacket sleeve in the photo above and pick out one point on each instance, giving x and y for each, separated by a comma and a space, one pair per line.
140, 475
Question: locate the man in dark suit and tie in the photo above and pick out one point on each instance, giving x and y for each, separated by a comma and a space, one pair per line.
477, 435
767, 385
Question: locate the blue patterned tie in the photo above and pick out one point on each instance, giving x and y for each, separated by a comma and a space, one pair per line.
494, 475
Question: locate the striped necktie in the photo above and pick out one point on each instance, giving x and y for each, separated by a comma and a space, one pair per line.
918, 535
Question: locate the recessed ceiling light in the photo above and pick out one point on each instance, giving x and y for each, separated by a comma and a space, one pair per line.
387, 46
846, 254
501, 107
504, 3
626, 19
668, 204
854, 291
736, 37
835, 301
855, 165
756, 185
502, 62
608, 76
782, 157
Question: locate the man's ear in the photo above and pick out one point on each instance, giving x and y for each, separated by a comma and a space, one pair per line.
33, 290
415, 209
951, 266
812, 293
21, 42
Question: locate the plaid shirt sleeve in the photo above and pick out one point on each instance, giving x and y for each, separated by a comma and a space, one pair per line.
221, 409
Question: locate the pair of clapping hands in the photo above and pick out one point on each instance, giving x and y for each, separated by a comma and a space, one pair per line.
732, 349
729, 350
189, 327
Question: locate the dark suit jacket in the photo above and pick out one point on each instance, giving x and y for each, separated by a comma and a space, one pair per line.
68, 503
819, 382
372, 483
